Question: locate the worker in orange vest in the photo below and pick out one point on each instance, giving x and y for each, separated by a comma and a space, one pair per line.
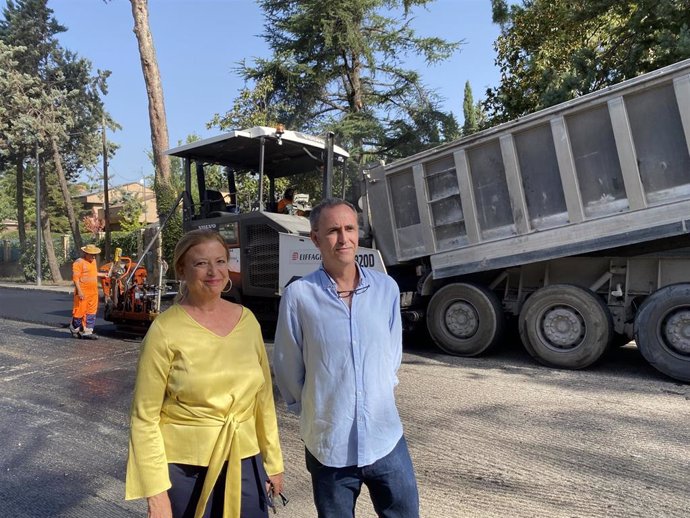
85, 276
285, 204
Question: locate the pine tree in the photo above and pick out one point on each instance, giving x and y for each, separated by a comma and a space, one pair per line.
339, 66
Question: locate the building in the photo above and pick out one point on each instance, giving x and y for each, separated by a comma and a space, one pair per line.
94, 202
8, 226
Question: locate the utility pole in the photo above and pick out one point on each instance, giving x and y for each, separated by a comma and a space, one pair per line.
106, 200
38, 218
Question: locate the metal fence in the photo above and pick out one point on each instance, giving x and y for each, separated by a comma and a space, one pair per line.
10, 250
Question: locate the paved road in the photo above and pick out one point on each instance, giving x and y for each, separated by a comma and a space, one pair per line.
51, 305
490, 437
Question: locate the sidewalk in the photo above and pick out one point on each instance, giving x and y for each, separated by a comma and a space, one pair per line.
61, 288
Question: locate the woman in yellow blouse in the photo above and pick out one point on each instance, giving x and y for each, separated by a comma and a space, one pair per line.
204, 436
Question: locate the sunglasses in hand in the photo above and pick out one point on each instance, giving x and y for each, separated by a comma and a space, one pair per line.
271, 495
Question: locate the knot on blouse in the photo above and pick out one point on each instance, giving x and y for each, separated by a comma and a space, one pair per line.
227, 450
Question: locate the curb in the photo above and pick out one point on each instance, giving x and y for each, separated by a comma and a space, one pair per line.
18, 286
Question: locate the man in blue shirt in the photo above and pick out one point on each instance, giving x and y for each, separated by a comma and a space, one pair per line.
338, 347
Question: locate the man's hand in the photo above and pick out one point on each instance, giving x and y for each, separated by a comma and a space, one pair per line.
159, 506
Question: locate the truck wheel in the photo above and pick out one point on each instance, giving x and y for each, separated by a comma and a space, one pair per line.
662, 330
565, 326
465, 319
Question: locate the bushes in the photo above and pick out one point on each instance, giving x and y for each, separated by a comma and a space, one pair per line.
28, 258
128, 241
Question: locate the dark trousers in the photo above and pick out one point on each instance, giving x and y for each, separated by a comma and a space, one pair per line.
390, 480
187, 482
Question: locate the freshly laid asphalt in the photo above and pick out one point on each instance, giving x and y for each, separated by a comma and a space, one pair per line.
46, 304
494, 437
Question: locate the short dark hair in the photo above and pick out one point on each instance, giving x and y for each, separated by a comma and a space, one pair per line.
289, 193
328, 203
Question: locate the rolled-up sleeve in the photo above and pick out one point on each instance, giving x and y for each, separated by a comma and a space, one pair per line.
288, 361
396, 332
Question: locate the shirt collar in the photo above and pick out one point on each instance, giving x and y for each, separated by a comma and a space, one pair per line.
327, 281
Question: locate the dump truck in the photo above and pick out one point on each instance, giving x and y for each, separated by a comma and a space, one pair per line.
572, 221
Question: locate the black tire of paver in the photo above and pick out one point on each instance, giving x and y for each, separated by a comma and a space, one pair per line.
108, 310
565, 326
465, 319
662, 330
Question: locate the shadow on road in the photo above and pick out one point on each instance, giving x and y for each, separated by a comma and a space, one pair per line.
511, 356
48, 332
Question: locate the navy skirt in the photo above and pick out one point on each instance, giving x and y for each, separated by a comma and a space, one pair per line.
188, 480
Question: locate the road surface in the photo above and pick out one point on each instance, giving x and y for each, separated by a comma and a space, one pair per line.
490, 437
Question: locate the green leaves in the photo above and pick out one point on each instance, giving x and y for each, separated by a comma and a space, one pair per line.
550, 51
338, 66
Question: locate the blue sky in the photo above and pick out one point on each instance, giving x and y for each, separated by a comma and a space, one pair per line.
199, 43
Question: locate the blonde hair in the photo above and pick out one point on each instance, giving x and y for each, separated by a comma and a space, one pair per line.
186, 242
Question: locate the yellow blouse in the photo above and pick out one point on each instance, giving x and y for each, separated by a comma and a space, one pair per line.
200, 399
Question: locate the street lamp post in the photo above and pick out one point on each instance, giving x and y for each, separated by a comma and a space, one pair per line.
106, 190
38, 218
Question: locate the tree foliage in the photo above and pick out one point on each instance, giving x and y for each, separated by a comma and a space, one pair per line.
51, 105
27, 260
550, 51
132, 207
60, 96
252, 107
469, 111
339, 66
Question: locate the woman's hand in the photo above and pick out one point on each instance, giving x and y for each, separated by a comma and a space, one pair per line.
159, 506
275, 484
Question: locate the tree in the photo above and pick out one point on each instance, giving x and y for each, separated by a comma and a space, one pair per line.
15, 88
16, 91
130, 212
469, 112
550, 51
63, 108
339, 66
29, 29
165, 191
252, 107
93, 224
23, 102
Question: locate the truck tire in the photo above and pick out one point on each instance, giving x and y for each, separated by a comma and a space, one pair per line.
465, 319
662, 330
565, 326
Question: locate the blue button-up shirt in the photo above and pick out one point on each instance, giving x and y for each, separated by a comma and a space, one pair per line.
336, 366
